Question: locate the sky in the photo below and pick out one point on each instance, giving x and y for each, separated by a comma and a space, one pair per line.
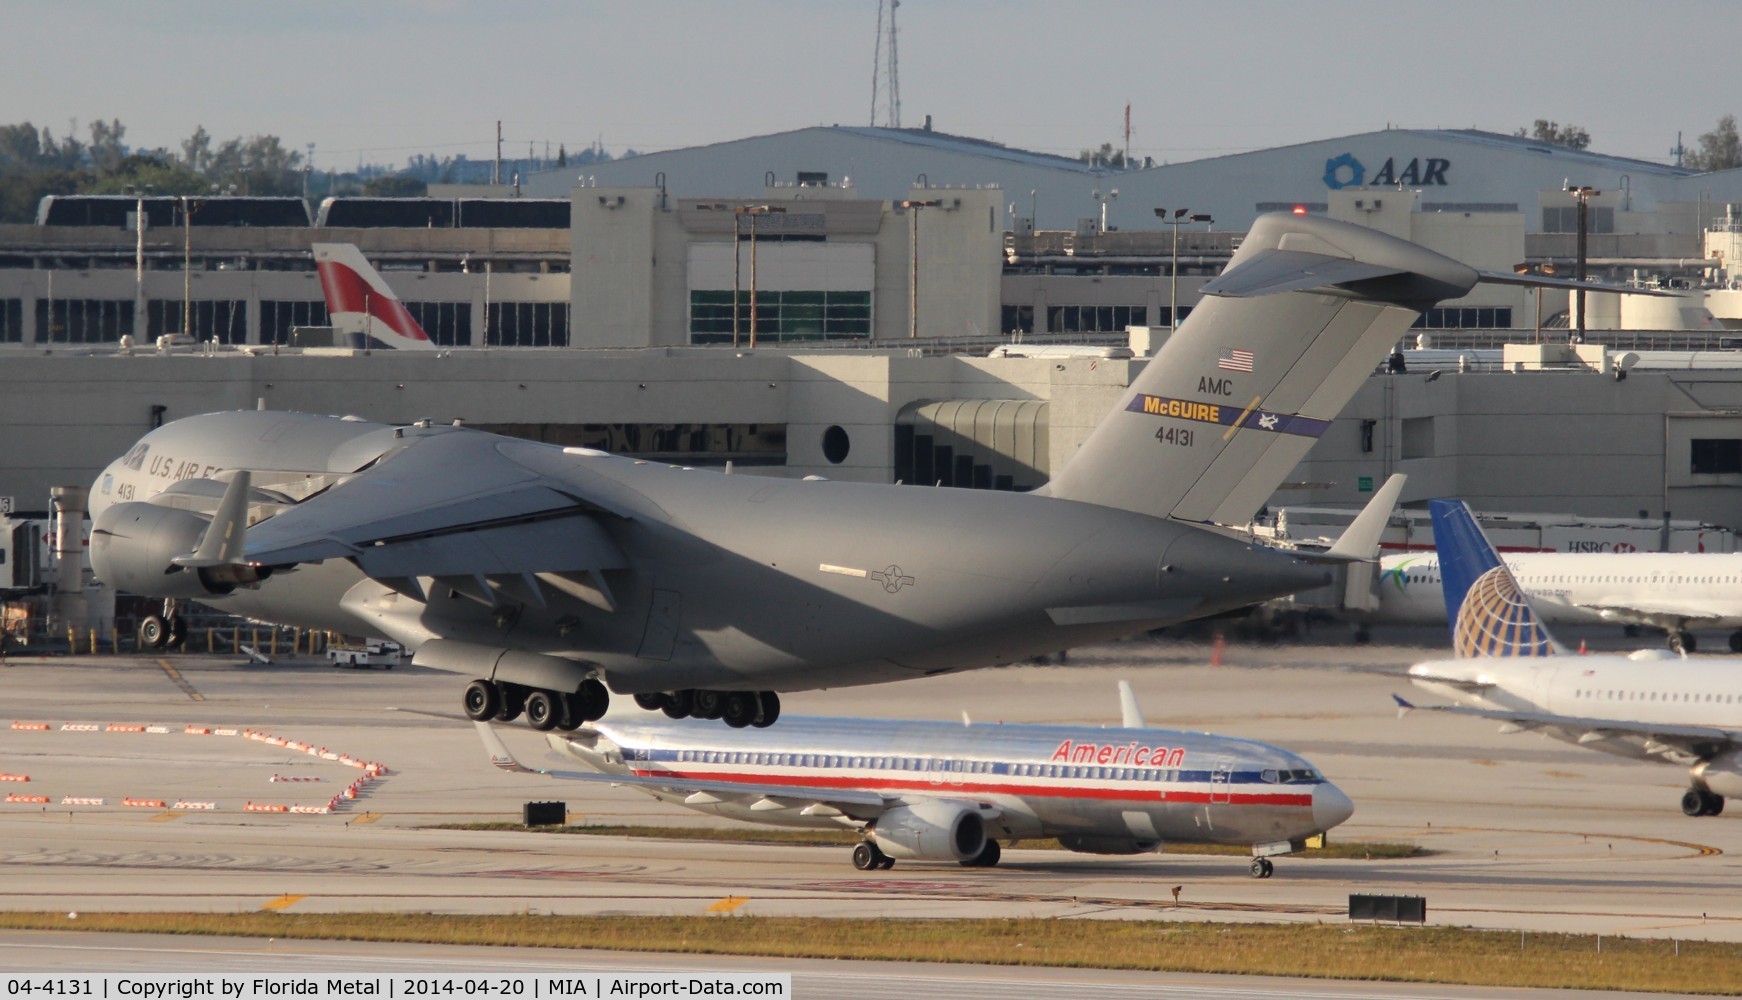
381, 80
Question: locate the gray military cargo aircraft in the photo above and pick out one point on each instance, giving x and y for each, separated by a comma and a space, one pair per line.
555, 575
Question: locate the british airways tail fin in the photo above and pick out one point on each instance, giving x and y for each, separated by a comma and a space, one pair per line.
362, 307
1305, 311
1488, 612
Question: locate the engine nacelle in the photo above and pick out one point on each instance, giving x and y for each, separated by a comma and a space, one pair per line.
933, 830
133, 546
1089, 844
1722, 775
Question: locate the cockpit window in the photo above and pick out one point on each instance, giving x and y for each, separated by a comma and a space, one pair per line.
1270, 775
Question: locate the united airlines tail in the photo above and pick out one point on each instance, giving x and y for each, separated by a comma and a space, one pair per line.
1231, 403
1488, 612
360, 303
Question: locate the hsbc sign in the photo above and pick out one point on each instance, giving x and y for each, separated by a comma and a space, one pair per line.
1346, 171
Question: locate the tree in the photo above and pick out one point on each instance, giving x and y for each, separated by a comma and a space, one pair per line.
1106, 156
196, 150
562, 155
395, 186
1720, 149
1570, 136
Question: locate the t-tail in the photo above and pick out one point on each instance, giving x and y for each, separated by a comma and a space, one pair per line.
1305, 311
1488, 611
363, 309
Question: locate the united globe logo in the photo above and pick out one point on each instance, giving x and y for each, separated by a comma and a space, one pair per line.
1495, 620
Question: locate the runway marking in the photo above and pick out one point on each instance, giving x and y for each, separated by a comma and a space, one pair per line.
166, 816
1699, 850
284, 902
180, 681
728, 904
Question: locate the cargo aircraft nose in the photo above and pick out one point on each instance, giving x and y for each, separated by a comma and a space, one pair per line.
1330, 806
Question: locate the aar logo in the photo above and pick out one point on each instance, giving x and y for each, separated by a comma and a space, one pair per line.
1344, 171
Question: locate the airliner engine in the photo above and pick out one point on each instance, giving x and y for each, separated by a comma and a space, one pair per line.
134, 547
936, 830
1722, 775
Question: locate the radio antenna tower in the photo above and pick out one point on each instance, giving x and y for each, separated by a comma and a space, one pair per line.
893, 117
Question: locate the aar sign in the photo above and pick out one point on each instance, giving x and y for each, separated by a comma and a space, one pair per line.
1346, 171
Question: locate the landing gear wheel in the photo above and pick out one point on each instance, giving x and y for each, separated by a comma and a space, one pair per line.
590, 701
679, 704
1682, 642
513, 703
708, 705
1363, 637
1262, 868
887, 863
542, 712
769, 711
1697, 802
866, 856
568, 716
481, 700
1736, 642
739, 708
178, 633
987, 858
651, 701
153, 633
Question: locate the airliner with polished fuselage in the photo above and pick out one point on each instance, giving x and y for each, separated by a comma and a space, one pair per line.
945, 791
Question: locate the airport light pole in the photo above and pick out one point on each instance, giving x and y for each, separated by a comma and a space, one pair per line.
1180, 217
913, 208
755, 212
1110, 196
1583, 195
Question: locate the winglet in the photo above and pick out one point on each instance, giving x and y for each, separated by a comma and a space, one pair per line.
1131, 717
1360, 541
222, 543
1487, 610
1403, 707
498, 750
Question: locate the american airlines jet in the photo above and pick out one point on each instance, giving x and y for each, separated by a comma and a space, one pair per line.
1649, 705
1674, 591
942, 791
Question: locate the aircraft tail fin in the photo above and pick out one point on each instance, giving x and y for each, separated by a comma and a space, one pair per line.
1488, 611
361, 305
1305, 311
1130, 716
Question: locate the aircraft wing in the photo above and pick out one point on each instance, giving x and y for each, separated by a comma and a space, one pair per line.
1695, 741
854, 803
1665, 616
447, 505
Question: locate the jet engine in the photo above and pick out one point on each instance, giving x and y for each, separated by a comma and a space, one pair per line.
934, 830
134, 545
1088, 844
1722, 775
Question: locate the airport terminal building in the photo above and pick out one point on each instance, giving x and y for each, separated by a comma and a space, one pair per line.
825, 301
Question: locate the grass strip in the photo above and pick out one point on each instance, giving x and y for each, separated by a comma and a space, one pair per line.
1327, 951
1346, 850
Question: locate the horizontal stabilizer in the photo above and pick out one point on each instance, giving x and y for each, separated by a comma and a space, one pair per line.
1565, 284
1272, 271
1361, 539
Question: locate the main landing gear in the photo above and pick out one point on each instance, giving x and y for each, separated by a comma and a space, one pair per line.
164, 631
544, 710
1699, 802
867, 857
736, 708
1263, 868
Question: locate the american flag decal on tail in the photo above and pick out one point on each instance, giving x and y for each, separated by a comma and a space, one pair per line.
1235, 360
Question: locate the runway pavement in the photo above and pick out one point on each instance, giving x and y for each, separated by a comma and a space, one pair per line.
1526, 833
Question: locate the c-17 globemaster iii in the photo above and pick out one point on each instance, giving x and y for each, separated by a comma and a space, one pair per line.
554, 575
